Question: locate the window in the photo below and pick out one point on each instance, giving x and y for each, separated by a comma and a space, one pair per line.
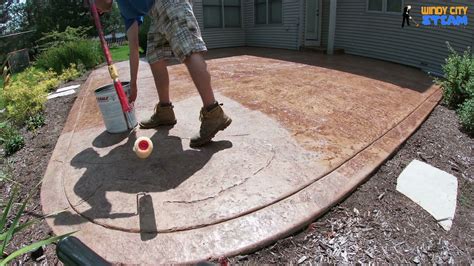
268, 11
231, 13
386, 6
221, 13
261, 11
212, 13
394, 6
375, 5
274, 11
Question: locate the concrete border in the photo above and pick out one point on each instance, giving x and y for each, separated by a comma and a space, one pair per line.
236, 236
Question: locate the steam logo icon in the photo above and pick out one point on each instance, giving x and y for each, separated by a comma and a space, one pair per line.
407, 17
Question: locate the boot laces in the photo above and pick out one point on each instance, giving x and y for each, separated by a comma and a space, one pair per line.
203, 112
201, 115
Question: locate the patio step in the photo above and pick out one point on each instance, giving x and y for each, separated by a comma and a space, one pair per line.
319, 49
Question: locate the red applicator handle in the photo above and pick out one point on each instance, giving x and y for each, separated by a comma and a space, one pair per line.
112, 70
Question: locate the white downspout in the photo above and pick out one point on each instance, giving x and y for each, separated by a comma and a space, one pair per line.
332, 26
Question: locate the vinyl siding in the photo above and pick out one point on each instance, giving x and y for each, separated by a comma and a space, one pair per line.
376, 35
283, 35
218, 37
380, 35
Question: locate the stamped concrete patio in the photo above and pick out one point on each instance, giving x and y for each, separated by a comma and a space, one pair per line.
308, 128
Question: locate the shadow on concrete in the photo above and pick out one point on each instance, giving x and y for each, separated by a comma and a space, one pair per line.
105, 139
121, 170
146, 214
397, 74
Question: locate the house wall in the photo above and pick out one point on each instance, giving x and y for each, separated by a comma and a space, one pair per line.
284, 35
380, 35
324, 23
218, 37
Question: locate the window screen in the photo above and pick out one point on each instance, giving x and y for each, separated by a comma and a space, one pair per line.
232, 13
260, 12
274, 11
394, 6
375, 5
212, 13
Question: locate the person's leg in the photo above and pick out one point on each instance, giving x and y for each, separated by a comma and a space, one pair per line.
162, 81
197, 68
187, 44
157, 53
213, 119
163, 114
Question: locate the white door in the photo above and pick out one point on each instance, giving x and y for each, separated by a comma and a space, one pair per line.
312, 23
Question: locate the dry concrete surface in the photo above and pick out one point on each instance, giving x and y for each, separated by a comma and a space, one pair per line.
307, 129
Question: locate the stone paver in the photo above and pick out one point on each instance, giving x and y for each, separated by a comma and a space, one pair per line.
305, 133
431, 188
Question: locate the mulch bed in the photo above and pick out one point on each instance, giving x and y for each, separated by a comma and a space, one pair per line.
27, 168
374, 224
378, 224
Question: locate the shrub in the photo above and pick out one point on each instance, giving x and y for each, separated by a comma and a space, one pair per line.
34, 122
71, 73
83, 52
470, 88
23, 100
10, 138
56, 38
26, 94
458, 75
466, 116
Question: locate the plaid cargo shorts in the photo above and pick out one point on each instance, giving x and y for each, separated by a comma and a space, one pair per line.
174, 31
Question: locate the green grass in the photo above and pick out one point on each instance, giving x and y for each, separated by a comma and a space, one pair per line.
120, 53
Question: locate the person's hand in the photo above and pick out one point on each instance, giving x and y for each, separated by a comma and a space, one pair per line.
133, 92
103, 5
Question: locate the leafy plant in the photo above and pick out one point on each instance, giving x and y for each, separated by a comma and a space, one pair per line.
71, 73
32, 76
59, 58
56, 38
26, 94
34, 122
466, 115
458, 76
10, 138
7, 232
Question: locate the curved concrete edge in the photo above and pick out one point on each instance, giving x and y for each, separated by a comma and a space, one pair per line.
341, 182
236, 236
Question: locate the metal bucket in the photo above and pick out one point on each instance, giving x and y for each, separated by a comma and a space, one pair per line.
109, 105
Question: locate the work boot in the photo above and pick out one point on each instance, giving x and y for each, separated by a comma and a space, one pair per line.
211, 122
163, 116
